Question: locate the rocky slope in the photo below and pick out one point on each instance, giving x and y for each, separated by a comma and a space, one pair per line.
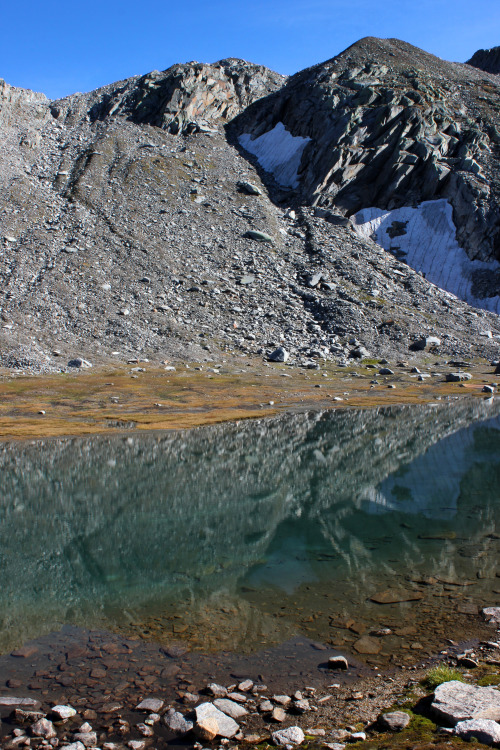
128, 230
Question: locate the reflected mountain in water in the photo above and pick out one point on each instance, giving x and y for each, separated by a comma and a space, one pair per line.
112, 530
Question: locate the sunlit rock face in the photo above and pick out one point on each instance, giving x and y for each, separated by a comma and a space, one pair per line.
391, 126
106, 531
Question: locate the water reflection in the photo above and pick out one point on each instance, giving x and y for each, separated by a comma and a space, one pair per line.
190, 530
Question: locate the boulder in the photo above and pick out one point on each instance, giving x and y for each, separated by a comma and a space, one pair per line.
492, 615
481, 730
43, 728
426, 342
227, 727
338, 662
457, 377
249, 188
150, 704
279, 355
456, 701
61, 713
395, 721
79, 363
289, 736
253, 234
230, 708
176, 722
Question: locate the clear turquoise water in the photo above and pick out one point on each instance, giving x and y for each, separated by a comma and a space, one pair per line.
237, 535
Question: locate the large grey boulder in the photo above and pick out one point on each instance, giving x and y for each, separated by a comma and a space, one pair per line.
289, 736
482, 730
230, 708
227, 727
455, 701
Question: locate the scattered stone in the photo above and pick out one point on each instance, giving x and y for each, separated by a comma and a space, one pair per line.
395, 721
219, 691
176, 722
9, 700
491, 614
62, 713
253, 234
89, 739
367, 645
289, 736
338, 662
394, 596
480, 730
150, 704
43, 728
230, 708
79, 363
458, 377
385, 371
249, 188
227, 727
279, 355
426, 342
278, 714
466, 661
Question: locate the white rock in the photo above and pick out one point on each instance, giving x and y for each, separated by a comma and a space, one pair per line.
89, 739
289, 736
10, 700
456, 701
63, 712
43, 728
150, 704
176, 722
227, 727
230, 708
492, 614
482, 730
75, 746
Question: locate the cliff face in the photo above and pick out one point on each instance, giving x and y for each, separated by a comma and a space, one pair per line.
126, 225
486, 59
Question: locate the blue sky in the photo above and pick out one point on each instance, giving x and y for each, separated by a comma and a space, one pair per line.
62, 47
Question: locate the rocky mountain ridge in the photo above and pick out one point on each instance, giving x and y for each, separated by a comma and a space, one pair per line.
224, 208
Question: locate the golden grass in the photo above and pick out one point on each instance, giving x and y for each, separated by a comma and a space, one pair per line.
83, 403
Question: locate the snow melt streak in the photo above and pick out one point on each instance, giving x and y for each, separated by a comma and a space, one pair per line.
278, 152
429, 245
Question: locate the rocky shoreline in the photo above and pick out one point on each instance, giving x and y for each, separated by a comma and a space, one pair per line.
452, 695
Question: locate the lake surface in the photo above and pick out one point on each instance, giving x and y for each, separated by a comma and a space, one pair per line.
238, 536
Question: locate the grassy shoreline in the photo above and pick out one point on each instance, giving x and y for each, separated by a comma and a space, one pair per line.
146, 397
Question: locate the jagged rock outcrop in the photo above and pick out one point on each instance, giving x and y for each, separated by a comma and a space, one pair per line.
390, 126
486, 59
184, 99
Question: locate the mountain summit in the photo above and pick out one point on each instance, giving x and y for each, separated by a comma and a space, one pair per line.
352, 207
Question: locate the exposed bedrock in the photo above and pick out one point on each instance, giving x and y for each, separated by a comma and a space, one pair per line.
392, 126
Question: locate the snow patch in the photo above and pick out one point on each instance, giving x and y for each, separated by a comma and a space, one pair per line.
278, 152
425, 238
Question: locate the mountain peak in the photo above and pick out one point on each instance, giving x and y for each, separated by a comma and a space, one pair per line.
487, 60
